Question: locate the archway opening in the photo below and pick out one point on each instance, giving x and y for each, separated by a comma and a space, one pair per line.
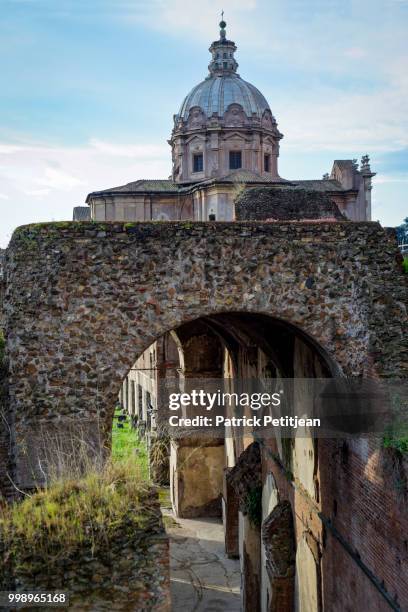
201, 474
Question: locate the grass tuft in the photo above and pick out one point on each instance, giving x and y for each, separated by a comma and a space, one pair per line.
127, 444
73, 513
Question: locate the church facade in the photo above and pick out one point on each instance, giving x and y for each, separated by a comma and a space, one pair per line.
225, 139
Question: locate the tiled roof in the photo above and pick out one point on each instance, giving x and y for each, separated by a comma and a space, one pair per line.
141, 186
246, 176
82, 213
236, 176
319, 185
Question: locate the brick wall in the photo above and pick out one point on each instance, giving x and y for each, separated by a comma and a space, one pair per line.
359, 524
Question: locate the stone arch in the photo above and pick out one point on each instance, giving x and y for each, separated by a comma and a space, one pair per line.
83, 300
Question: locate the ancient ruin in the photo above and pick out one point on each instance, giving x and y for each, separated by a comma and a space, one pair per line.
298, 299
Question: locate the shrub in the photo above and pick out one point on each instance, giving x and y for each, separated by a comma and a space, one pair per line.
72, 513
399, 443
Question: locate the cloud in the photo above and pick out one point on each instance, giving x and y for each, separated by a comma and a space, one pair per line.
328, 119
37, 193
355, 53
7, 149
191, 19
353, 83
45, 182
135, 151
58, 180
336, 74
390, 178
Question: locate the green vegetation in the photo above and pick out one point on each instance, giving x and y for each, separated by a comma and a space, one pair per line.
127, 445
405, 265
164, 497
396, 435
253, 506
396, 441
72, 513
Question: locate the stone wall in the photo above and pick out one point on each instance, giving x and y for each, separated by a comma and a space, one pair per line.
84, 300
284, 203
126, 569
2, 285
6, 488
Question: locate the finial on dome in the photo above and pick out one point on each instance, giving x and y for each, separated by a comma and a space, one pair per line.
223, 25
222, 51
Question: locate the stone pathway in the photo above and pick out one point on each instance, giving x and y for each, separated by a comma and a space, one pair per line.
203, 579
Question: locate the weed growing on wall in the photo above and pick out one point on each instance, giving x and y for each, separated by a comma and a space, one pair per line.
72, 513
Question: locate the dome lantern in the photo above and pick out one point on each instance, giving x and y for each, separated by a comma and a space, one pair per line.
222, 51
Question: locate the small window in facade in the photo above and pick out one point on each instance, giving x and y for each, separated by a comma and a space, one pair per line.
198, 164
224, 55
225, 64
267, 162
235, 160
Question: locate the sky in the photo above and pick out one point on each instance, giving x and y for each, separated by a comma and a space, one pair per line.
89, 89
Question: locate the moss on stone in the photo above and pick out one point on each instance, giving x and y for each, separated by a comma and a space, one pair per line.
253, 506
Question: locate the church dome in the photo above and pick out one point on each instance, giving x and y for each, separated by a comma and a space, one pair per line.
223, 86
224, 124
218, 91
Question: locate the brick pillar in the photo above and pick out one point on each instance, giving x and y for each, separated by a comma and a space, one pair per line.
250, 557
